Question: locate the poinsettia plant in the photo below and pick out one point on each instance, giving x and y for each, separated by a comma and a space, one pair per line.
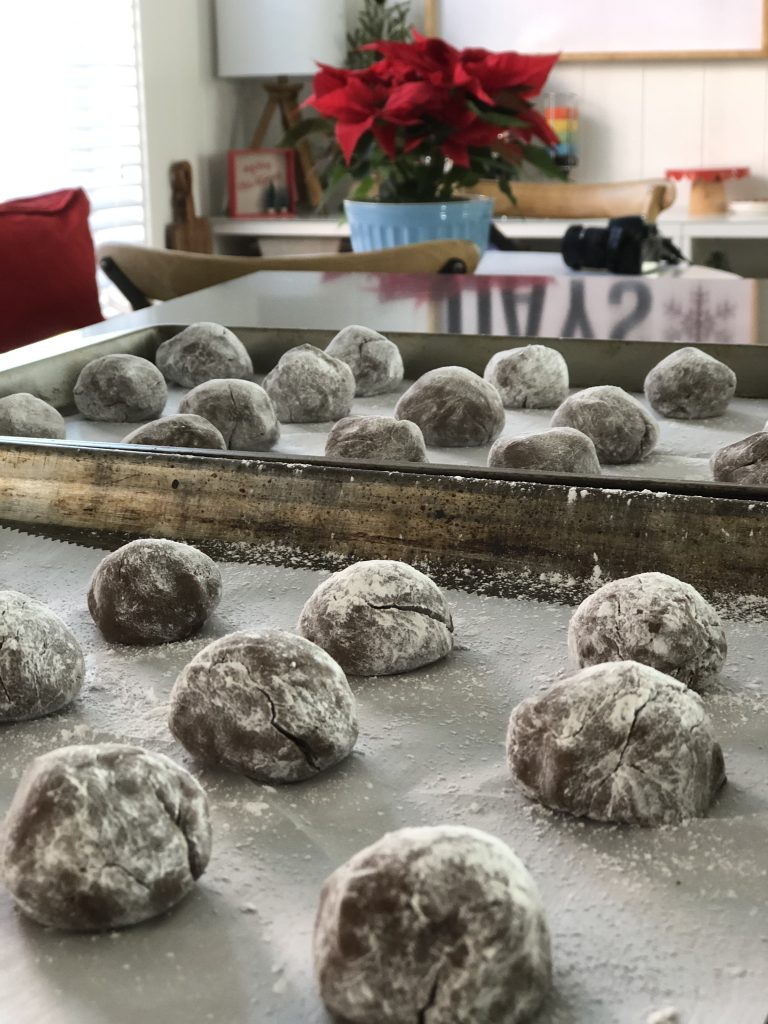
427, 120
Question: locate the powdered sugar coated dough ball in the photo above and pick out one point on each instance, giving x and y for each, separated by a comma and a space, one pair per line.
654, 619
440, 924
532, 377
24, 415
266, 703
376, 437
310, 386
374, 360
103, 836
742, 462
120, 388
41, 663
153, 591
617, 742
620, 427
559, 450
690, 385
201, 352
379, 617
453, 407
184, 430
240, 410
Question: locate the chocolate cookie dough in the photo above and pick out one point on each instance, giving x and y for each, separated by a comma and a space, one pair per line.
531, 377
690, 385
379, 617
374, 360
41, 663
103, 836
654, 619
120, 388
153, 591
202, 352
435, 924
268, 704
620, 427
184, 430
742, 462
310, 386
618, 742
24, 415
454, 408
558, 450
376, 437
239, 409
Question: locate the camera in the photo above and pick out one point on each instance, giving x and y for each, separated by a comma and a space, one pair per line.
623, 247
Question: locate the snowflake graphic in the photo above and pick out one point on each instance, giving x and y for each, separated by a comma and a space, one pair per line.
699, 322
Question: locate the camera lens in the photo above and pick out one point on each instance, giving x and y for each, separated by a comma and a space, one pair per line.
585, 247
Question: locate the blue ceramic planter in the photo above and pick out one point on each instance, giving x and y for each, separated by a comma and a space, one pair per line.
375, 225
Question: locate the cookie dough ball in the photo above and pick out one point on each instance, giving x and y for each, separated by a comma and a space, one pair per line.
309, 386
103, 836
559, 450
268, 704
203, 352
440, 924
153, 591
184, 430
41, 664
743, 462
533, 377
239, 409
690, 385
120, 388
618, 742
24, 415
374, 360
379, 617
654, 619
376, 437
620, 427
454, 408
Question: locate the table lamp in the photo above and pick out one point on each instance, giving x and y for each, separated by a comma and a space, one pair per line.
276, 39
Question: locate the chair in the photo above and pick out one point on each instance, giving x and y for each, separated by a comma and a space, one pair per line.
570, 201
143, 273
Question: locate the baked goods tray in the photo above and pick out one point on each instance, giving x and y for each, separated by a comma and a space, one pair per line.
682, 454
640, 918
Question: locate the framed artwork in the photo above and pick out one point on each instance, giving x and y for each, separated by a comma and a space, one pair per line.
262, 183
600, 30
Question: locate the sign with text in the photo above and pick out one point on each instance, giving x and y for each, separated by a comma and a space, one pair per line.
262, 183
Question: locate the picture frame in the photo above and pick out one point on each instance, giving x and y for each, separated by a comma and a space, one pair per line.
593, 30
262, 183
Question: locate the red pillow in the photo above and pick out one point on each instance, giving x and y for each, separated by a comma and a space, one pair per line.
47, 267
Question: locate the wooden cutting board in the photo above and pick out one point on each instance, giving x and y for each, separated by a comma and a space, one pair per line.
187, 231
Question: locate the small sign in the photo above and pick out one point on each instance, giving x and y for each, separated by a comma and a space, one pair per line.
262, 183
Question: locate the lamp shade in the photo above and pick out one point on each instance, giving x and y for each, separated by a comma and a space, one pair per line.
264, 38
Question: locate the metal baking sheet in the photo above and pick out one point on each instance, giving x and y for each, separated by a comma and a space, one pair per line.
640, 919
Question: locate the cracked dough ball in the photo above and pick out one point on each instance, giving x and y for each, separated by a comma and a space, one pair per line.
374, 360
268, 704
440, 924
202, 352
103, 836
743, 462
41, 663
24, 415
378, 618
153, 591
532, 377
558, 450
309, 386
654, 619
240, 409
183, 430
618, 742
454, 408
620, 427
690, 385
376, 437
120, 388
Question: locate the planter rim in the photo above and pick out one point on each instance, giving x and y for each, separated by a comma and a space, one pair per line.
423, 202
